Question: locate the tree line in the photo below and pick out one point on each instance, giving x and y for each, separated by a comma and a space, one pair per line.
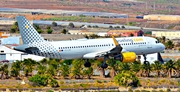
48, 71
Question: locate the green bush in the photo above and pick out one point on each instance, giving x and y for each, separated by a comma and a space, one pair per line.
130, 90
49, 31
13, 30
50, 91
110, 26
127, 78
53, 83
168, 90
137, 91
54, 24
39, 80
40, 31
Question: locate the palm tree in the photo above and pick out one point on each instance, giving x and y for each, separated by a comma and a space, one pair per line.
51, 71
4, 71
177, 66
88, 72
124, 66
15, 69
146, 68
53, 66
169, 44
157, 66
41, 69
28, 66
76, 70
136, 67
15, 28
44, 61
114, 66
169, 66
97, 64
64, 69
163, 39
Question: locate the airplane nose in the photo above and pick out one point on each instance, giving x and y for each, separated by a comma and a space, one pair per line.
162, 46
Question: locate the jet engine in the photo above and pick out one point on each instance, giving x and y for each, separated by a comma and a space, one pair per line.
126, 57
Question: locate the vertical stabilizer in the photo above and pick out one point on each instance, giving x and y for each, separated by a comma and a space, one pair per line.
27, 31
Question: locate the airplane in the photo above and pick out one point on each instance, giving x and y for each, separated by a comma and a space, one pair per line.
124, 49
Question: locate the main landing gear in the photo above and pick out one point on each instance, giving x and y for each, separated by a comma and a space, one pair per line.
104, 64
145, 62
87, 63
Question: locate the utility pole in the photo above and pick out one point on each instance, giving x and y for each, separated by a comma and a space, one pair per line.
128, 21
154, 6
146, 5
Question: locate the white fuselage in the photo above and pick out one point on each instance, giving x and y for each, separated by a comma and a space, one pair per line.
33, 43
78, 48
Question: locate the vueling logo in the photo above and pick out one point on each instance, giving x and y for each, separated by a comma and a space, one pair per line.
131, 40
138, 39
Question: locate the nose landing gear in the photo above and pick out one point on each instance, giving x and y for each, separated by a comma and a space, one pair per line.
145, 62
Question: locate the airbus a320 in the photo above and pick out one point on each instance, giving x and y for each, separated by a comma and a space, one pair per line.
123, 49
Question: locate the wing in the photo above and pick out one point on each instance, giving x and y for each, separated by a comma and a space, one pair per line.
114, 51
111, 52
102, 53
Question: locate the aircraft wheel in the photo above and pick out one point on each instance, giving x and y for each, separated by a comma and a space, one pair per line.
146, 62
87, 64
104, 65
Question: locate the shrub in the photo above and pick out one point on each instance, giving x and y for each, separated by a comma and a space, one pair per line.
49, 31
54, 24
130, 90
168, 90
53, 83
127, 79
39, 80
137, 91
110, 26
40, 31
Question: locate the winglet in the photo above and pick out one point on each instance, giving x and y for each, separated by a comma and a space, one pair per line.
115, 41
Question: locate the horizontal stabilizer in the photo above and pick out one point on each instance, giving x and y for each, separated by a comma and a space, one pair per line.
25, 48
32, 48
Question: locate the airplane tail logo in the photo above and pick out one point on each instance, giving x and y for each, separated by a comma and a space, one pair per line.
27, 31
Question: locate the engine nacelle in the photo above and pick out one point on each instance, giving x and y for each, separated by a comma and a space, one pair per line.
126, 57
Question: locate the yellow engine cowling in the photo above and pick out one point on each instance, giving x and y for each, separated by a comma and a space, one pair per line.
128, 57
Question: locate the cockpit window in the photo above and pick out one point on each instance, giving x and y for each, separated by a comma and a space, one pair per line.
157, 41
